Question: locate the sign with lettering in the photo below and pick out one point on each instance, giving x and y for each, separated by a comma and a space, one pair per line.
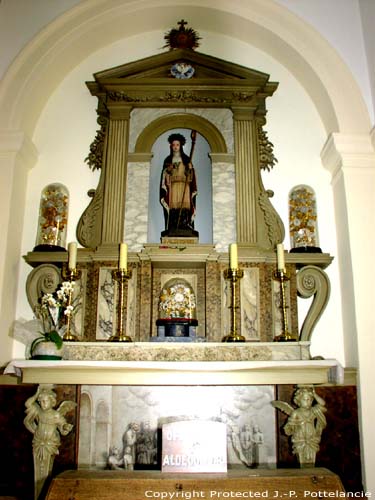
194, 446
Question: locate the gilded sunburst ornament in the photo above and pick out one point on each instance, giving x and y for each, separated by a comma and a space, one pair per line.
182, 38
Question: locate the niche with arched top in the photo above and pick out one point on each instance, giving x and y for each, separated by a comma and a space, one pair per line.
200, 159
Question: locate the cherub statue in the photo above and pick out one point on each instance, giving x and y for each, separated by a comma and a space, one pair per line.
46, 424
305, 423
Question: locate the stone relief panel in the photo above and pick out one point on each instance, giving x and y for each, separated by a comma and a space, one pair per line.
130, 433
107, 305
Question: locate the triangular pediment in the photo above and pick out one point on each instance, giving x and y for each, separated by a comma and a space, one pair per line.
205, 67
155, 82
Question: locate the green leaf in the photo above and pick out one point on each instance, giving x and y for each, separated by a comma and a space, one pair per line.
54, 337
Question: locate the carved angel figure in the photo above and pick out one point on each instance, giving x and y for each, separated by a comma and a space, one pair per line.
305, 423
46, 424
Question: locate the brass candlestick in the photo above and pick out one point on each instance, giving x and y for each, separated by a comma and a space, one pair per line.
70, 275
282, 277
121, 276
234, 275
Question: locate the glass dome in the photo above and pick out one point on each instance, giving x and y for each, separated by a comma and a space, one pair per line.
53, 218
303, 226
177, 300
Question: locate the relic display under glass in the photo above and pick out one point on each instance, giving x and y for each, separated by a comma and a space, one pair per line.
177, 310
53, 218
303, 228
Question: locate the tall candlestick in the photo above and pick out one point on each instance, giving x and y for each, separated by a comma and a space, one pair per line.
72, 254
123, 262
280, 257
233, 258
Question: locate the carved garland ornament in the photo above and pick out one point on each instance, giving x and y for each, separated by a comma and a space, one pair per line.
95, 157
267, 159
182, 96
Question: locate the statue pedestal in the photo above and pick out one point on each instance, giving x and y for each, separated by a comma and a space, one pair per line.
179, 240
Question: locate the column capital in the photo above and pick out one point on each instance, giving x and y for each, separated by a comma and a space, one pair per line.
119, 111
347, 150
15, 144
243, 112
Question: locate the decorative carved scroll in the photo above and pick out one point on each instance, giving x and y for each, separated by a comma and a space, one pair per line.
273, 222
312, 281
43, 279
90, 223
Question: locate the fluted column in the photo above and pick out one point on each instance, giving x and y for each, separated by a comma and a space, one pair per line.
245, 138
115, 175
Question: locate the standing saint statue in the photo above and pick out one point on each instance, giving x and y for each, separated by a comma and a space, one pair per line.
178, 189
46, 424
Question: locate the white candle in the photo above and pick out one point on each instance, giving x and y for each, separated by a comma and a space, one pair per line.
233, 258
72, 255
123, 262
280, 257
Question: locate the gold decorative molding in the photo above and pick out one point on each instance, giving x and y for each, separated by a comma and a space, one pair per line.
181, 120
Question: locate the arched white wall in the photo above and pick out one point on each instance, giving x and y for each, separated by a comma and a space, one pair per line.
96, 23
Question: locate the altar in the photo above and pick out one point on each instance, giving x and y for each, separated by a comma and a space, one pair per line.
185, 325
298, 484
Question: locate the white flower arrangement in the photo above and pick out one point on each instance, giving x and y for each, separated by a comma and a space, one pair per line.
53, 310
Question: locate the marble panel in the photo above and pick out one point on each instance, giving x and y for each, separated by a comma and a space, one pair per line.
277, 307
145, 300
206, 351
78, 303
223, 205
213, 302
136, 207
249, 299
106, 318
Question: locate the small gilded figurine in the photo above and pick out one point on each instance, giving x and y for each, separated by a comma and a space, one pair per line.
46, 424
305, 423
